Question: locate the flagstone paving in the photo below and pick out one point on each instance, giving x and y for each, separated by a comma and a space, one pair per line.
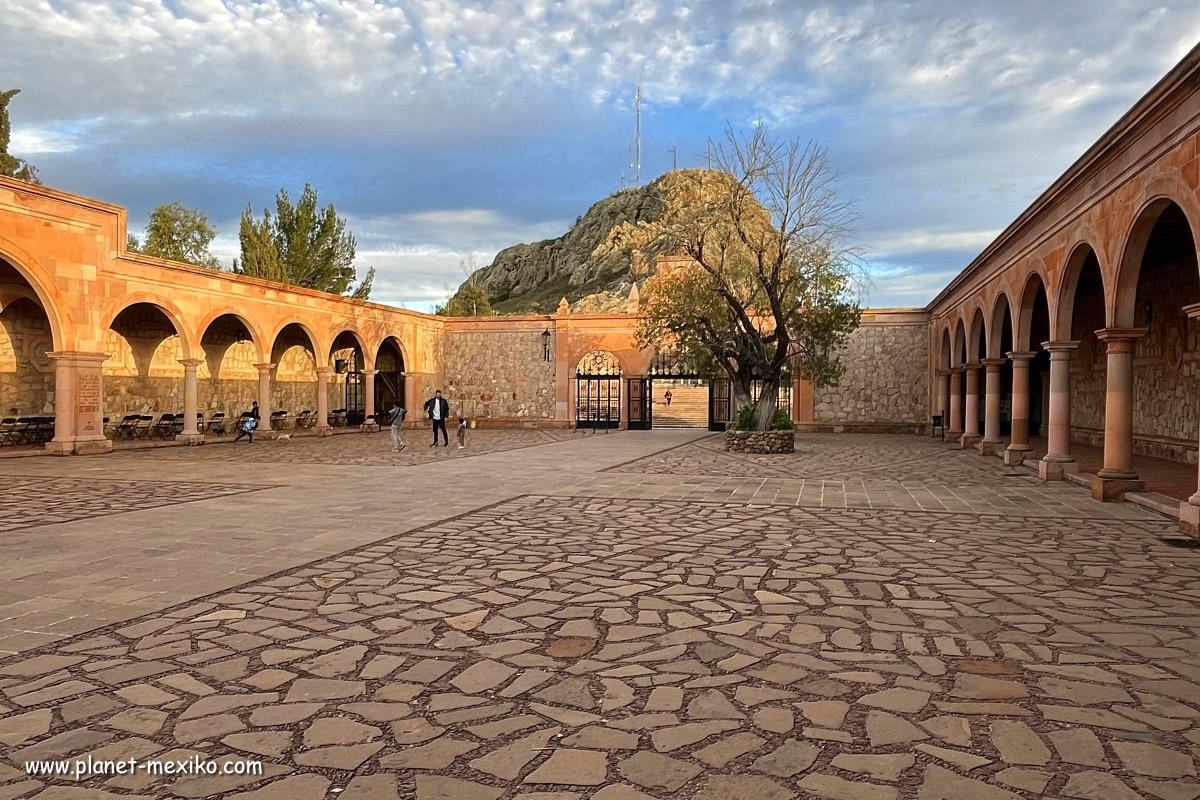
529, 625
552, 646
361, 449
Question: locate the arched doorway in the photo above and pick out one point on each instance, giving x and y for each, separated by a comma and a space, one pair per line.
389, 375
26, 368
142, 374
1151, 406
349, 385
227, 381
598, 390
1001, 344
294, 379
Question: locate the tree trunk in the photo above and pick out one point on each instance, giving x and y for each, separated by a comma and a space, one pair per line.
768, 402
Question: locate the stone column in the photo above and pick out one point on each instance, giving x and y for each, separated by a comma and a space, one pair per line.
956, 424
323, 428
942, 403
1018, 444
1118, 477
369, 400
971, 412
191, 434
1058, 458
1189, 512
264, 395
78, 404
991, 442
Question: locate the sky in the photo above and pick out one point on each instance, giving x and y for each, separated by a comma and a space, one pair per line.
446, 131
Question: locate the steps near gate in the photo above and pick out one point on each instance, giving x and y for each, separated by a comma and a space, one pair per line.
688, 409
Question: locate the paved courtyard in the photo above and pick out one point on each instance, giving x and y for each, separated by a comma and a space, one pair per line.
608, 617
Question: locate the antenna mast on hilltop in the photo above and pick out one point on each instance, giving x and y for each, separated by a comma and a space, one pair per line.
637, 176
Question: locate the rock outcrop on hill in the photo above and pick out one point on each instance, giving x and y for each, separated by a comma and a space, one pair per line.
609, 249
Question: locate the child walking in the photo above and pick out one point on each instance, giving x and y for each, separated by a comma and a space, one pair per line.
462, 433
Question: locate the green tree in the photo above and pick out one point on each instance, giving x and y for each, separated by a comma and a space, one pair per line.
10, 165
301, 245
774, 282
177, 233
470, 301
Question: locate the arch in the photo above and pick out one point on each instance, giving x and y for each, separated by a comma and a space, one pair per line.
42, 283
1025, 311
398, 343
944, 359
168, 309
959, 351
367, 354
313, 341
1122, 301
1064, 305
1001, 311
599, 361
256, 337
978, 332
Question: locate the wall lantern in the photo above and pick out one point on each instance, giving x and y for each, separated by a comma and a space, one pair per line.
546, 345
1149, 307
241, 336
339, 365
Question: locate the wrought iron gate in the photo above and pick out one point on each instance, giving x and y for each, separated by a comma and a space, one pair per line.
598, 391
641, 407
720, 404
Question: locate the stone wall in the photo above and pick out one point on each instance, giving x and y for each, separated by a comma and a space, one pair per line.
26, 372
498, 375
886, 381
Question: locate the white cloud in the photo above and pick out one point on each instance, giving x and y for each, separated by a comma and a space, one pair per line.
947, 118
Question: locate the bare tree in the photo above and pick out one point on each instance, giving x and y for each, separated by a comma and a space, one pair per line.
772, 248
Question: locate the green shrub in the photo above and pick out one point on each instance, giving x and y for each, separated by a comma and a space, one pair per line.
745, 419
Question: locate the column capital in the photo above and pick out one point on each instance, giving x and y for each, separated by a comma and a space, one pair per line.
1193, 310
323, 372
1060, 347
77, 357
1018, 357
972, 365
264, 367
993, 364
1109, 335
941, 373
1120, 340
191, 363
956, 370
370, 373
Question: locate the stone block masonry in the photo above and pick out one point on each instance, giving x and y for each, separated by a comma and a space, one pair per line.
886, 380
498, 375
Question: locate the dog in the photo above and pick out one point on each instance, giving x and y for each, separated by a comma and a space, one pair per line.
283, 437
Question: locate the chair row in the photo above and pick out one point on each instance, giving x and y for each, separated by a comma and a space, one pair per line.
26, 430
145, 426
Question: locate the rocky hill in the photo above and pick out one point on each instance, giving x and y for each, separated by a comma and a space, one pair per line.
611, 247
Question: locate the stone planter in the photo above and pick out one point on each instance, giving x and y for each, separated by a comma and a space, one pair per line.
762, 442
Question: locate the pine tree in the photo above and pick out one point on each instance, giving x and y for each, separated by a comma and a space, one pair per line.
11, 166
301, 245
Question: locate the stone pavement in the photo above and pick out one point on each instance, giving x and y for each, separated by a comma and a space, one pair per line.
594, 631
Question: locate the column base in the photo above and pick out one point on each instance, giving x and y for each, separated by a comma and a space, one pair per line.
1014, 454
80, 447
190, 438
1053, 469
324, 430
989, 448
1189, 519
968, 440
1110, 489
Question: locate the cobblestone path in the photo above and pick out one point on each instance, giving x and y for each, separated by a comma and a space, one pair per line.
562, 648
